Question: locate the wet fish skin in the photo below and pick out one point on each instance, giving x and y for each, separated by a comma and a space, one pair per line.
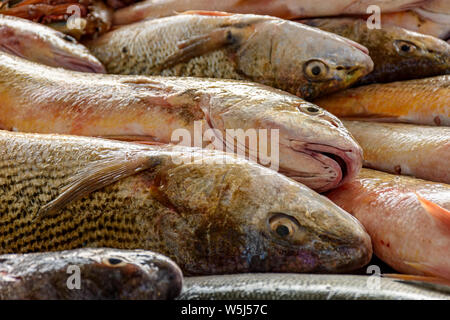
210, 212
409, 237
420, 151
263, 49
41, 44
420, 20
104, 274
301, 287
398, 54
39, 99
286, 9
421, 101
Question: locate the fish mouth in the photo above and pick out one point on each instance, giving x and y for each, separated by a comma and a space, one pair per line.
339, 165
78, 64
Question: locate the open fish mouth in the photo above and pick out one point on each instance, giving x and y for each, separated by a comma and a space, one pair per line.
339, 165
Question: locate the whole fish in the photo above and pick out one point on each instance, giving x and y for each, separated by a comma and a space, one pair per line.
302, 287
422, 21
311, 145
408, 220
41, 44
209, 211
420, 151
283, 54
102, 274
286, 9
398, 54
422, 101
73, 17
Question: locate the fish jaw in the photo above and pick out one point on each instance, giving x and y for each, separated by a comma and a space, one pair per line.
319, 152
314, 147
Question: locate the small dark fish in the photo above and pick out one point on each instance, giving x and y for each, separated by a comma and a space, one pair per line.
304, 287
103, 274
398, 54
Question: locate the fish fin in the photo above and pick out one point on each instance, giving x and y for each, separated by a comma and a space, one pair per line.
432, 282
200, 45
207, 13
96, 176
436, 211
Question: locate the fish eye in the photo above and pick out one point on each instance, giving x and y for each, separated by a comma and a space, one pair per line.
283, 226
404, 47
315, 70
69, 38
310, 109
114, 262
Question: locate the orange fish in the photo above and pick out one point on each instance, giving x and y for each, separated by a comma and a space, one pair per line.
408, 220
423, 101
420, 151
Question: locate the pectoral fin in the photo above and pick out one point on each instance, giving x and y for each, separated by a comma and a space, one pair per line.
97, 176
200, 45
429, 282
440, 214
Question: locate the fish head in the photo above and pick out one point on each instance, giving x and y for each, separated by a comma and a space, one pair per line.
314, 65
417, 55
228, 215
294, 137
132, 274
41, 44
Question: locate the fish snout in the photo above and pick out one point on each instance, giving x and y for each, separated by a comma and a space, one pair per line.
170, 280
349, 257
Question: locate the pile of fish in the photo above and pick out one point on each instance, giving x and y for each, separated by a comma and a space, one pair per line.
215, 149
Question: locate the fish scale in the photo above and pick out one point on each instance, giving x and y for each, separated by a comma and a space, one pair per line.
202, 213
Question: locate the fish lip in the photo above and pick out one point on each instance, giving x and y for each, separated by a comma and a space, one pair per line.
352, 159
78, 64
345, 163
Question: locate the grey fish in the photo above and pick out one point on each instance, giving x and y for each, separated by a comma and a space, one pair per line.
103, 274
302, 287
304, 61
